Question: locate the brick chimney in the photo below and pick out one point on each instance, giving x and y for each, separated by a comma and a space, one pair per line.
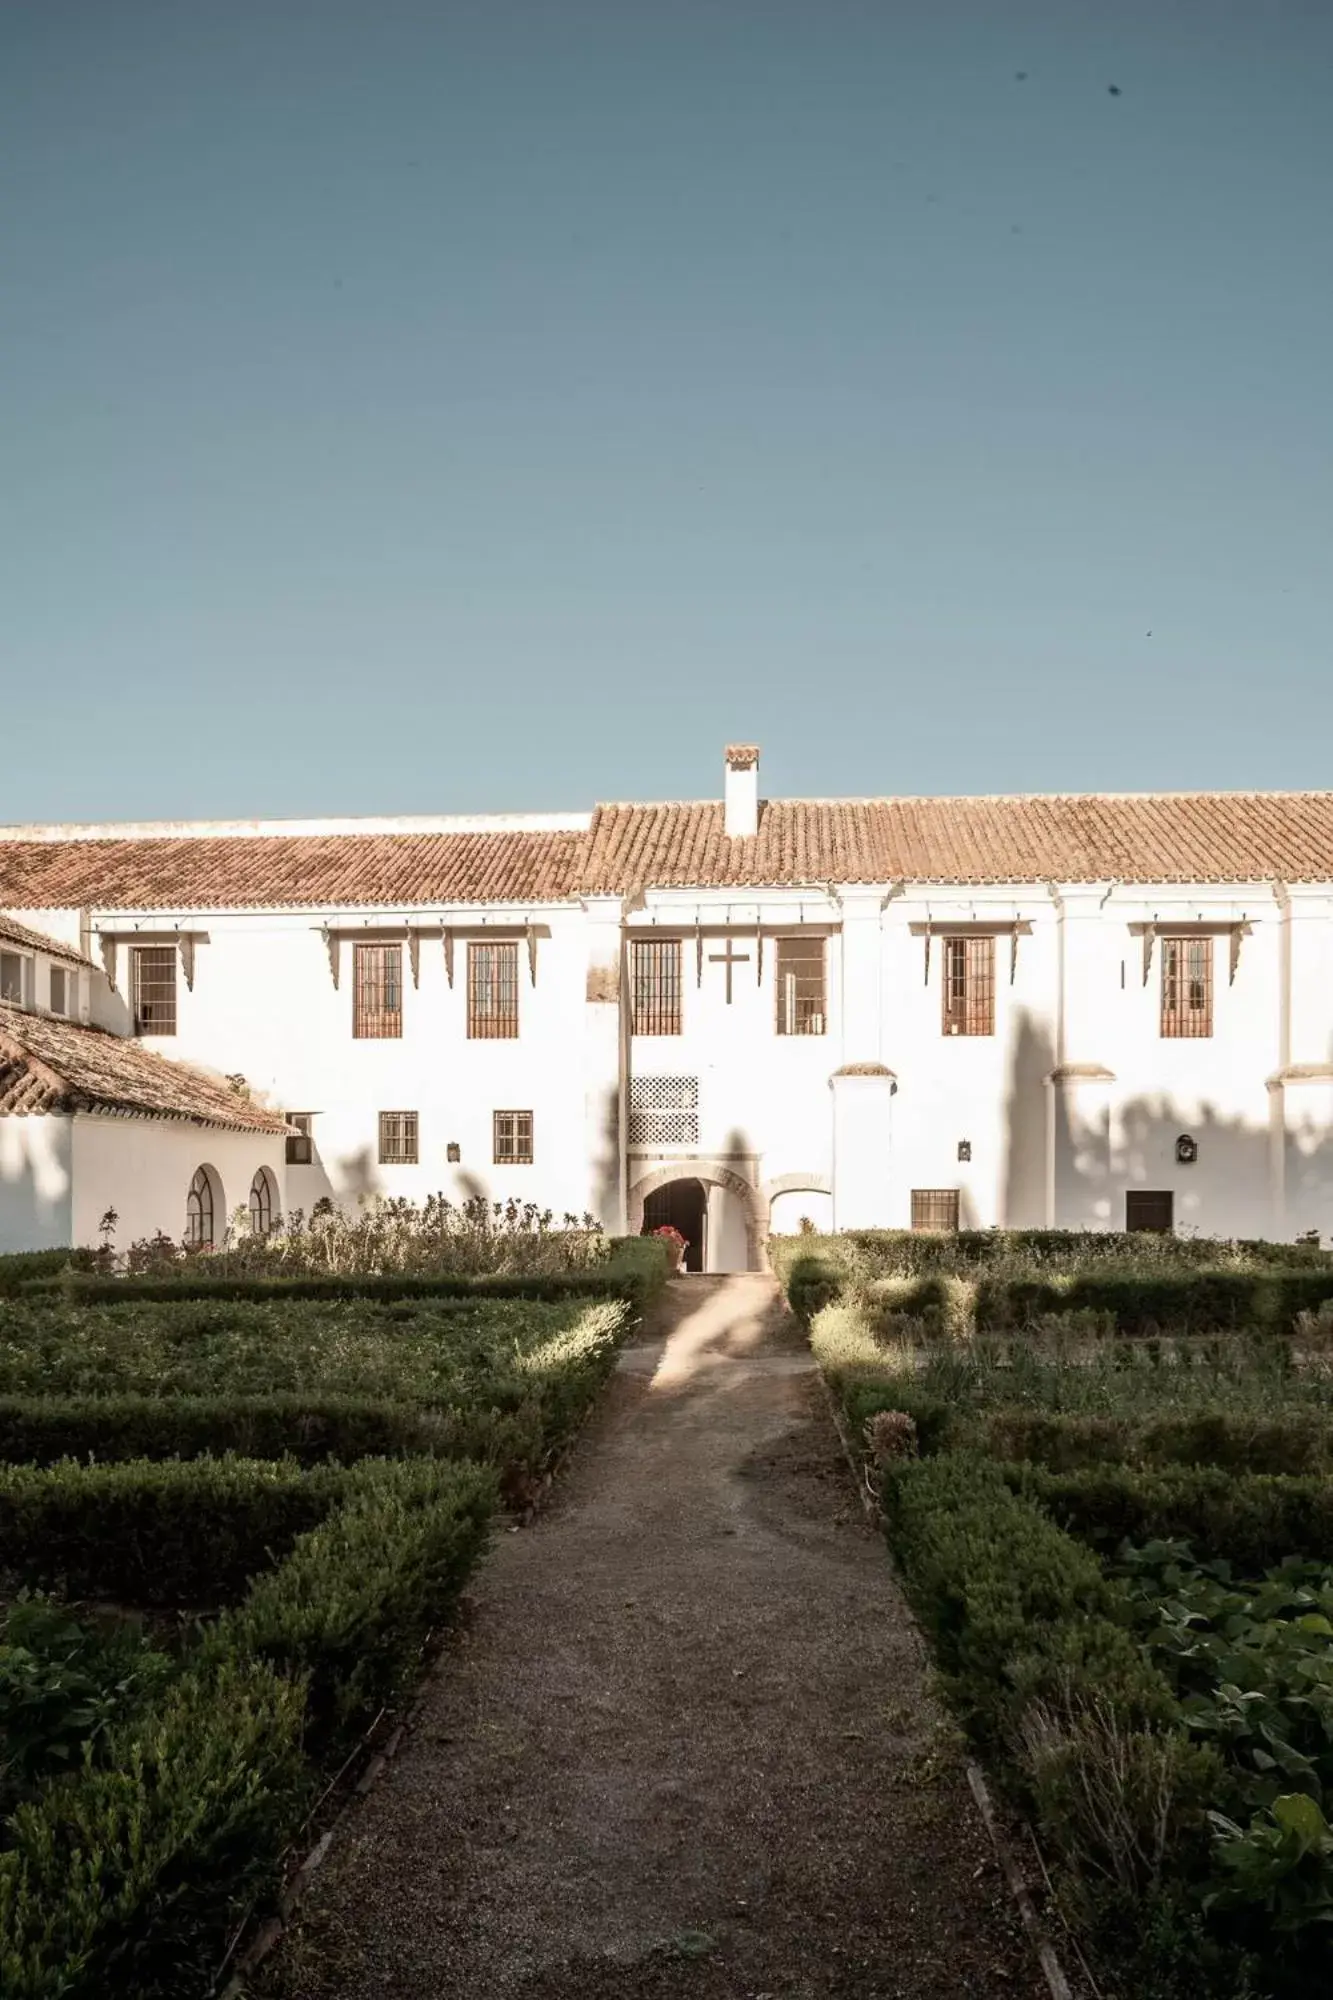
742, 794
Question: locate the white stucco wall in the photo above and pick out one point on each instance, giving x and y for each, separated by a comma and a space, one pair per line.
35, 1184
142, 1167
1072, 994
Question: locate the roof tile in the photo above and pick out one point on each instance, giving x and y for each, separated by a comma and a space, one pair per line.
49, 1065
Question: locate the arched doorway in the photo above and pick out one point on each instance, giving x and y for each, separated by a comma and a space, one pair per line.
683, 1205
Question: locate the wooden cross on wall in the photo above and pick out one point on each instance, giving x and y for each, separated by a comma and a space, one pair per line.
730, 957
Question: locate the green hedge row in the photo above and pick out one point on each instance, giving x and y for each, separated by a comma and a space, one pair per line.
1136, 1306
189, 1533
871, 1253
1254, 1520
126, 1877
25, 1267
635, 1270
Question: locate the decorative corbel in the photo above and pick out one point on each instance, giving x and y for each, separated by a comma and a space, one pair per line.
1013, 954
758, 952
1149, 934
698, 951
108, 945
926, 980
185, 945
1238, 931
414, 956
532, 954
448, 939
333, 946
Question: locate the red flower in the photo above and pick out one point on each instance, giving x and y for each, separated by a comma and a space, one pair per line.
670, 1235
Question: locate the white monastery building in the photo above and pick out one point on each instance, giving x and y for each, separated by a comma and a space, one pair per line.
1082, 1012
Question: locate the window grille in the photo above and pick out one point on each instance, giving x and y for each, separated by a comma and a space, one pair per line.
655, 986
935, 1208
664, 1111
261, 1204
398, 1138
153, 989
11, 978
969, 986
513, 1138
800, 986
59, 990
1150, 1210
199, 1217
492, 992
300, 1143
377, 992
1187, 986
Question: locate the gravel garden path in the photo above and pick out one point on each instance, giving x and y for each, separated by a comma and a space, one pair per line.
683, 1744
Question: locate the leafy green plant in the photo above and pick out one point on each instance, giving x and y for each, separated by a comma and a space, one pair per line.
64, 1680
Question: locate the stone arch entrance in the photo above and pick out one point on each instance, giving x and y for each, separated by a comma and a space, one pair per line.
775, 1212
709, 1174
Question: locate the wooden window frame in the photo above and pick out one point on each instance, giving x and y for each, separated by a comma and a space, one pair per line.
492, 990
301, 1143
1137, 1202
967, 982
1187, 965
261, 1205
656, 986
801, 996
154, 1015
935, 1211
377, 992
512, 1145
399, 1139
201, 1212
11, 962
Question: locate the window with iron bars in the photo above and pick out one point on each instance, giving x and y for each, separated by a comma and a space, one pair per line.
1187, 986
377, 996
969, 986
398, 1138
153, 989
492, 992
935, 1208
655, 986
513, 1138
801, 1005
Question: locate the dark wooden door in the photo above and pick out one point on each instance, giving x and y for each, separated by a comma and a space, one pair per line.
682, 1204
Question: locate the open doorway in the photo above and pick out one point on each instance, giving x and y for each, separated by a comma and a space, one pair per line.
683, 1205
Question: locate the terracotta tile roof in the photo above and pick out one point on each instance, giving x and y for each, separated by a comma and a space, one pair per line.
49, 1065
236, 871
15, 933
1163, 837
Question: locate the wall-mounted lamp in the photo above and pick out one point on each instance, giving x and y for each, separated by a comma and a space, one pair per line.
964, 1149
453, 1152
1187, 1150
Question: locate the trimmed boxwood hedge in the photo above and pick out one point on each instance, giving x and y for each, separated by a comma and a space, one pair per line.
126, 1877
1255, 1520
181, 1532
635, 1270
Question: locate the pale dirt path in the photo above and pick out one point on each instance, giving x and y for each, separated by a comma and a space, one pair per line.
682, 1745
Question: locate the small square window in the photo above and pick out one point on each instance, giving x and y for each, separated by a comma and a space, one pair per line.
1150, 1210
513, 1138
59, 990
398, 1138
935, 1208
11, 978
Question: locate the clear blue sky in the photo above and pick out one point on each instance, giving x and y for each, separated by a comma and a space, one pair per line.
454, 405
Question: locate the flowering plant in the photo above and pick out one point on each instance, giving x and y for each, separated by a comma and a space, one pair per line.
672, 1238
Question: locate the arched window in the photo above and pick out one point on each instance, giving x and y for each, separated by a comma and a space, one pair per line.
262, 1217
199, 1212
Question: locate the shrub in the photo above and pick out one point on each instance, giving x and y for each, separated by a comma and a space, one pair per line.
126, 1878
1255, 1521
185, 1533
25, 1267
348, 1610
